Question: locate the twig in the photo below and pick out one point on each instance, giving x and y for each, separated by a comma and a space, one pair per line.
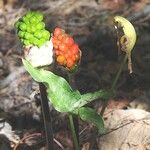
36, 134
24, 138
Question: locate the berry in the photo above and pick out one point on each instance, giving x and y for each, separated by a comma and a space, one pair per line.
63, 47
66, 50
28, 36
31, 29
38, 34
57, 31
21, 34
25, 19
23, 26
26, 42
17, 24
60, 59
75, 49
45, 34
40, 26
29, 14
70, 63
68, 40
39, 16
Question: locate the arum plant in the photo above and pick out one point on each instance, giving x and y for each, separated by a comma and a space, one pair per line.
68, 55
37, 48
40, 48
38, 52
126, 39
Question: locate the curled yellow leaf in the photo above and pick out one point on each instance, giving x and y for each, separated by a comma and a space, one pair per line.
126, 37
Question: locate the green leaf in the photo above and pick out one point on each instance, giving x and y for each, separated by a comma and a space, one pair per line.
59, 91
91, 116
61, 95
89, 97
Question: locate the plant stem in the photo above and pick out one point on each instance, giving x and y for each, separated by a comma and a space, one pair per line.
73, 132
74, 117
118, 73
47, 118
114, 83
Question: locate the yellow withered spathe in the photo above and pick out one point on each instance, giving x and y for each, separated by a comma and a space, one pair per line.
127, 39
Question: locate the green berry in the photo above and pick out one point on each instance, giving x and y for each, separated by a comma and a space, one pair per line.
28, 35
32, 40
40, 26
23, 26
41, 42
21, 34
22, 41
33, 29
33, 19
25, 19
38, 34
29, 29
46, 34
26, 42
17, 24
39, 16
29, 14
36, 42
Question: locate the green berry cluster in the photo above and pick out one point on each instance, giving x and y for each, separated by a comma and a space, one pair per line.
31, 29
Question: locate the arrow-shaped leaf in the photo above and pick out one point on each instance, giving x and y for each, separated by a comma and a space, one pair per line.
59, 91
61, 95
91, 116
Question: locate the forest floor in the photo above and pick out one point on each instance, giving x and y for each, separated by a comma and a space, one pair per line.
89, 22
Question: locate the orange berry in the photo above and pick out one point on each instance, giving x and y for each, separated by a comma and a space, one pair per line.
58, 42
71, 41
54, 39
63, 47
57, 31
69, 53
55, 46
73, 58
68, 40
64, 35
57, 52
60, 59
74, 49
60, 37
70, 63
64, 40
66, 55
77, 57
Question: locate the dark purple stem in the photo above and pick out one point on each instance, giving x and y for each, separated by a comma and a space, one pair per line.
46, 117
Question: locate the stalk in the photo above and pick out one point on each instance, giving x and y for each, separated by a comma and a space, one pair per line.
75, 140
74, 118
114, 82
47, 118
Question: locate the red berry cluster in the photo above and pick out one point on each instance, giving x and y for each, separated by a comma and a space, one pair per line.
67, 51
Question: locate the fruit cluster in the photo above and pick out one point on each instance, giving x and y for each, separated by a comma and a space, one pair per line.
66, 50
31, 29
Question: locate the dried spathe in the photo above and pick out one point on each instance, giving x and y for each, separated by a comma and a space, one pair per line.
39, 56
